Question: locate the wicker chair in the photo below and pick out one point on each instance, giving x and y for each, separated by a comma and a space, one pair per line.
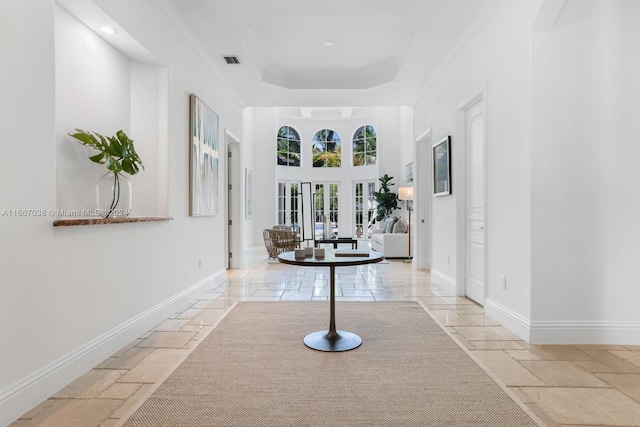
278, 240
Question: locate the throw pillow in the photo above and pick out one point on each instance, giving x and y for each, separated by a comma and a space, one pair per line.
389, 226
400, 227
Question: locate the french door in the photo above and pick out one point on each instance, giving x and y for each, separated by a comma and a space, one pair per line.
326, 208
288, 204
364, 207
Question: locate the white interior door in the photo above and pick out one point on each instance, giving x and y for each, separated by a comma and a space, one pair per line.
230, 202
422, 203
234, 230
475, 201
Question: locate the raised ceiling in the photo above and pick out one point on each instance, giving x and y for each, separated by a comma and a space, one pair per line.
329, 52
336, 52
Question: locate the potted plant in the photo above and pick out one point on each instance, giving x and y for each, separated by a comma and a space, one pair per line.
113, 189
387, 201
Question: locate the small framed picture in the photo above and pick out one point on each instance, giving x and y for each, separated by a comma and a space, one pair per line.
442, 167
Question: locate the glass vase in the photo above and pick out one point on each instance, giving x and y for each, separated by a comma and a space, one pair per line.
113, 195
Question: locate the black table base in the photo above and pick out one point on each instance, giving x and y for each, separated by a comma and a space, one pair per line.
332, 340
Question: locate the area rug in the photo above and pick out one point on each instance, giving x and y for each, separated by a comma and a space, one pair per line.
254, 370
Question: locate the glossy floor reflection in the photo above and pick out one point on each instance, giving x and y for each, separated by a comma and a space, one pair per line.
564, 385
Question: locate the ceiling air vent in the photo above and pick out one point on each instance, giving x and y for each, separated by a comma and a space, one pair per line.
231, 59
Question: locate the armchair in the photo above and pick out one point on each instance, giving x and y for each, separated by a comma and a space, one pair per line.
279, 239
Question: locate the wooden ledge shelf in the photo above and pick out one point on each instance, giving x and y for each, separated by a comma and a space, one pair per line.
97, 221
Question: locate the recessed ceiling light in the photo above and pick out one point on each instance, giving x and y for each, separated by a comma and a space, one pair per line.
328, 43
109, 30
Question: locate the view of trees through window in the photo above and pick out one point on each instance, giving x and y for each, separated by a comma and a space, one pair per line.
365, 145
288, 146
327, 152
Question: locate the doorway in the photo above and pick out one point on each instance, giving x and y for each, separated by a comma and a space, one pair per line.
233, 231
326, 208
471, 200
288, 204
423, 182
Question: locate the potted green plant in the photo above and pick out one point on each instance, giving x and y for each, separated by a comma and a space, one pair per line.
387, 200
113, 189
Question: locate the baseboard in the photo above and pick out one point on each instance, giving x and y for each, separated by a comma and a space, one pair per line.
509, 319
585, 332
442, 280
22, 396
561, 332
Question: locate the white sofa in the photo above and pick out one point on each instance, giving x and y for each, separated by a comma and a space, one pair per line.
391, 245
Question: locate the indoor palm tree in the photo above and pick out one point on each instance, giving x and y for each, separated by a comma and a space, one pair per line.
387, 200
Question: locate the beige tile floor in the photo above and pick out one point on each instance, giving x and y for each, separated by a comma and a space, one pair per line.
568, 385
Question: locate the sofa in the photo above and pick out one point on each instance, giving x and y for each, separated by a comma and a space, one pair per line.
391, 238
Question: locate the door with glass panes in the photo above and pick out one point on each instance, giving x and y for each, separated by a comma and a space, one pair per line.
364, 207
288, 204
326, 208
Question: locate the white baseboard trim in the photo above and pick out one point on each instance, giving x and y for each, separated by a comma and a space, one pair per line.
441, 279
20, 397
512, 321
585, 332
562, 332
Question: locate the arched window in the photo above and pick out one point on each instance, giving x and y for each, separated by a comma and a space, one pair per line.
327, 152
365, 146
288, 147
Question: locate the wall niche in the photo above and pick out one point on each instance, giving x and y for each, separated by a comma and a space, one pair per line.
103, 88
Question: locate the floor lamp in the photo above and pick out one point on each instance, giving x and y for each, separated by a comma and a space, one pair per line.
406, 193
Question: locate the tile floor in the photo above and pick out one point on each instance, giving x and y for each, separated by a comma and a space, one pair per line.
569, 385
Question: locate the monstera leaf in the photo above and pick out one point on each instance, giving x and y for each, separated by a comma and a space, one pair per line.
117, 152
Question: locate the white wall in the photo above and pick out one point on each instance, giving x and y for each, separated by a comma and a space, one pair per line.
586, 239
63, 306
396, 142
496, 59
149, 130
93, 88
27, 124
260, 143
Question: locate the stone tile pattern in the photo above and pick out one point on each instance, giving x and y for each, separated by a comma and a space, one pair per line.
562, 384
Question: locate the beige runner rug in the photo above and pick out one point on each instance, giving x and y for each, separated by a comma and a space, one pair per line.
254, 370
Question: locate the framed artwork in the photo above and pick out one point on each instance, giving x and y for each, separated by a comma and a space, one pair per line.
248, 193
408, 182
442, 167
203, 164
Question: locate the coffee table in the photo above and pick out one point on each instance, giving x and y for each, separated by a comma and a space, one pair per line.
335, 242
331, 339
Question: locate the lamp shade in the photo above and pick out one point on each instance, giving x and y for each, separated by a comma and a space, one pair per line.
405, 193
